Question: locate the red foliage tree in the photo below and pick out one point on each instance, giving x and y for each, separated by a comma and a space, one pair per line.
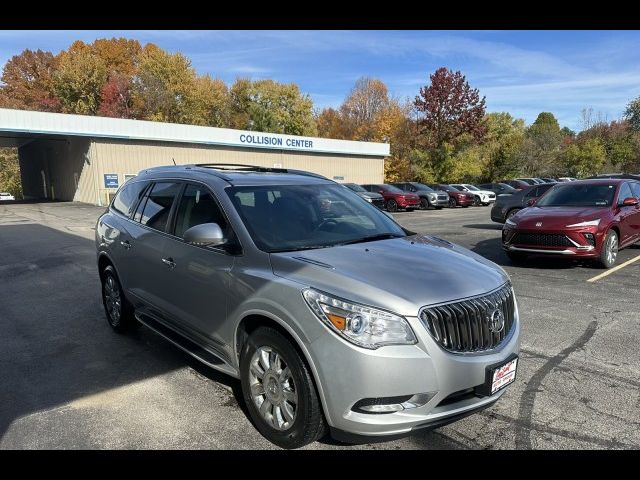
116, 97
450, 107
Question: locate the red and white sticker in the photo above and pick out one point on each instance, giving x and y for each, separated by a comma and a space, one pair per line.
504, 375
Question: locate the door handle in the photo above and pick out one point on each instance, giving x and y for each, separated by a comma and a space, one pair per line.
126, 244
169, 262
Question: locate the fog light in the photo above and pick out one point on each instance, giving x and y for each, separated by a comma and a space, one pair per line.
392, 404
591, 239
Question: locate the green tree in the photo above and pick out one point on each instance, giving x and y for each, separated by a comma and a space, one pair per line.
27, 82
632, 114
79, 79
540, 150
499, 154
10, 172
584, 158
269, 106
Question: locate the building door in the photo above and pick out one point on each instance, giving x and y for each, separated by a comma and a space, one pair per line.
44, 184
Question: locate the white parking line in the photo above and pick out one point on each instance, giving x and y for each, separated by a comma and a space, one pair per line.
615, 269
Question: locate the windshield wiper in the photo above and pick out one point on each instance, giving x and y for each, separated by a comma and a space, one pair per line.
296, 249
372, 238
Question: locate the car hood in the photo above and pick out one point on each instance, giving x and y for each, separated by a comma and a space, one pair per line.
484, 192
555, 217
400, 275
370, 195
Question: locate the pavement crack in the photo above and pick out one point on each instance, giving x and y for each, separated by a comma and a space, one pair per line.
528, 397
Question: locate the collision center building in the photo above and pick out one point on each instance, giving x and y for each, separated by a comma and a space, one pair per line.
86, 158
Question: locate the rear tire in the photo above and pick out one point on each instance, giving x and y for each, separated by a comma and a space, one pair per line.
392, 206
453, 203
287, 410
609, 250
119, 311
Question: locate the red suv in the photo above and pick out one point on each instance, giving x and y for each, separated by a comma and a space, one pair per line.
394, 198
587, 218
456, 197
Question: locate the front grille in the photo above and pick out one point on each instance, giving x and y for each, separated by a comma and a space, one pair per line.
492, 195
443, 197
470, 325
542, 239
378, 202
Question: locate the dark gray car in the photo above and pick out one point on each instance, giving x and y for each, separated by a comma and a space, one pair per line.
292, 284
507, 206
372, 197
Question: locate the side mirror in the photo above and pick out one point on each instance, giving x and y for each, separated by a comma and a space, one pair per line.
205, 235
531, 202
630, 202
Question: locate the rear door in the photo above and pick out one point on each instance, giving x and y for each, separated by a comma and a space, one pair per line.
148, 268
197, 287
629, 216
635, 220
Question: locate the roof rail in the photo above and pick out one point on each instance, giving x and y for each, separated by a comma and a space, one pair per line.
240, 166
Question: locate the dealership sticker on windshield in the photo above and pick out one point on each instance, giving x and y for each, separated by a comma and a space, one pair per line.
503, 375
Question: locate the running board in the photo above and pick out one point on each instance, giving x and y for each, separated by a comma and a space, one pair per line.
210, 359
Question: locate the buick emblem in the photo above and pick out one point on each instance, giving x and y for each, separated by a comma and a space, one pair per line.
496, 321
539, 224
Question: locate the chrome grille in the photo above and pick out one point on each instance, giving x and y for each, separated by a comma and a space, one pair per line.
465, 326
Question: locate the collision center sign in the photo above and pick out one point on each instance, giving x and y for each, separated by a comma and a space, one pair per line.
262, 140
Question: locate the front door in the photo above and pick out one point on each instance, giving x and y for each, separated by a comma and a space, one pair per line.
629, 216
197, 289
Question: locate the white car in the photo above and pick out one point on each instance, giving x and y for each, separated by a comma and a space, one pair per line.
484, 197
6, 196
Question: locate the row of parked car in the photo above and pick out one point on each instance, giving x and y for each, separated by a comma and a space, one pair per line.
413, 195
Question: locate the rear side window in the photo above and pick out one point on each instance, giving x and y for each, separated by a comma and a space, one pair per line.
127, 198
158, 206
635, 189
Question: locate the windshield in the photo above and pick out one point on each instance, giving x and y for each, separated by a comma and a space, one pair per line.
392, 189
448, 188
354, 187
284, 218
584, 195
455, 189
422, 186
507, 188
471, 187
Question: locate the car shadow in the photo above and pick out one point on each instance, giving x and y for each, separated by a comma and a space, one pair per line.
492, 250
484, 226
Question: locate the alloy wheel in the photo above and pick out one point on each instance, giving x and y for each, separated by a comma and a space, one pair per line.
112, 298
273, 390
612, 249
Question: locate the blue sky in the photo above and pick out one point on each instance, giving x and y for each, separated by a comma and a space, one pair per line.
522, 72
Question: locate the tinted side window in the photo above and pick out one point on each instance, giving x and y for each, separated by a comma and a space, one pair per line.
128, 197
532, 193
635, 189
158, 206
198, 206
625, 192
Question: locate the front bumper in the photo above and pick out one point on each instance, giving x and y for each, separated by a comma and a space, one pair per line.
408, 203
348, 374
577, 245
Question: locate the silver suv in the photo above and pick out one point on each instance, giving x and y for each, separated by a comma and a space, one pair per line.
333, 316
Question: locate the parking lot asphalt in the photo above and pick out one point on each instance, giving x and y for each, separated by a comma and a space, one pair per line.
68, 382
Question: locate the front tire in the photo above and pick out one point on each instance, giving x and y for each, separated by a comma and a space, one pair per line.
424, 204
476, 201
392, 206
512, 212
279, 392
119, 311
609, 250
453, 203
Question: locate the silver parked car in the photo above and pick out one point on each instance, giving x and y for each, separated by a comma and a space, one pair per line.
333, 316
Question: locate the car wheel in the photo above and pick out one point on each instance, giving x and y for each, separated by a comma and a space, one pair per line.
476, 201
609, 250
512, 212
392, 206
453, 203
119, 311
279, 391
424, 204
516, 257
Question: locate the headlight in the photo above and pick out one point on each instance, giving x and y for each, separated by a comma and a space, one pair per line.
509, 222
365, 326
433, 196
369, 199
592, 223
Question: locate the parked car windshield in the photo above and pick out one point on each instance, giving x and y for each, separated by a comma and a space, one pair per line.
284, 218
422, 186
354, 187
454, 189
471, 187
448, 188
583, 195
392, 189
